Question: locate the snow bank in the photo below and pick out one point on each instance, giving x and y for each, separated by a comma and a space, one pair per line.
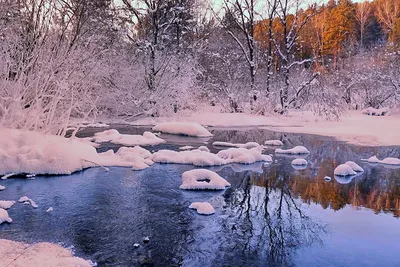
6, 204
16, 254
243, 155
204, 148
2, 187
194, 157
200, 179
296, 150
113, 136
4, 218
182, 128
273, 143
376, 112
204, 208
354, 166
299, 162
390, 161
35, 153
344, 170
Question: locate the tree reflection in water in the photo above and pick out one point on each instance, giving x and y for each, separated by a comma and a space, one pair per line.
268, 222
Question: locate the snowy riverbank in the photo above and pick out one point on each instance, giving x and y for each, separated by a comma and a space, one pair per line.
354, 127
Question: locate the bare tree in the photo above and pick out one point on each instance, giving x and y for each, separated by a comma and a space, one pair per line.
363, 13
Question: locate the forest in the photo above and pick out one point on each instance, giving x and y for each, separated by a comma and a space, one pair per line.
63, 59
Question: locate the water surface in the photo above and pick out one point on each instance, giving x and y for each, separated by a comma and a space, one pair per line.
273, 215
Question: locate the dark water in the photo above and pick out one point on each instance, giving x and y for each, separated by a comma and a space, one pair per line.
272, 215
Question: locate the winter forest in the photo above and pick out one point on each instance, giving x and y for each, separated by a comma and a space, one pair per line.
63, 59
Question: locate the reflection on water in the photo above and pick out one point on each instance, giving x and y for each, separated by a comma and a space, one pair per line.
273, 214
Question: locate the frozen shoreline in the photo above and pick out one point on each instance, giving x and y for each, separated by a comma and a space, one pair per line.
354, 127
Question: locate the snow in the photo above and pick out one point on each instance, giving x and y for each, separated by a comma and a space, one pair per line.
247, 145
6, 204
295, 150
273, 143
186, 147
27, 200
182, 128
243, 155
203, 208
390, 161
200, 179
194, 157
2, 187
16, 254
376, 112
4, 217
353, 127
354, 166
113, 136
373, 160
299, 162
344, 170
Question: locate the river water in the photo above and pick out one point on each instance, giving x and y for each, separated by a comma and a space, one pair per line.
272, 215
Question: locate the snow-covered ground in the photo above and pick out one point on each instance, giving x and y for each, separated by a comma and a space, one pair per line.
354, 127
16, 254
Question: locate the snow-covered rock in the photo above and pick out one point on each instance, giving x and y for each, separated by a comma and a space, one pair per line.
204, 148
2, 187
4, 217
113, 136
327, 178
354, 166
243, 155
372, 160
50, 210
39, 254
273, 143
182, 128
295, 150
203, 208
194, 157
201, 179
299, 162
27, 200
390, 161
135, 157
376, 112
6, 204
344, 170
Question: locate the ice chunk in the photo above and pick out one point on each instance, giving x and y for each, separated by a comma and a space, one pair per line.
203, 179
295, 150
4, 217
344, 170
6, 204
273, 143
354, 166
390, 161
299, 162
26, 199
186, 148
247, 145
2, 187
344, 179
182, 128
203, 208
